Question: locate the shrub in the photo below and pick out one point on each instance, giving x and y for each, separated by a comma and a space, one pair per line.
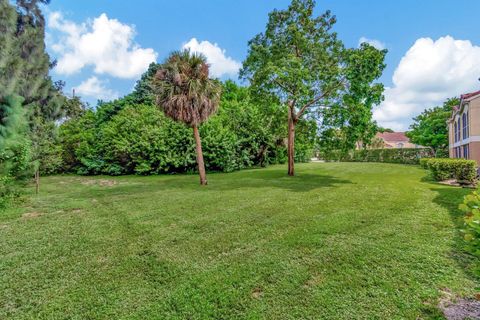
424, 162
405, 156
464, 171
471, 206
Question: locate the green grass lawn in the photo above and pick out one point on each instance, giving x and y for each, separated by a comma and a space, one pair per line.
337, 241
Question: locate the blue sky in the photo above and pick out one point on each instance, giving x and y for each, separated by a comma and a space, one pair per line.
103, 46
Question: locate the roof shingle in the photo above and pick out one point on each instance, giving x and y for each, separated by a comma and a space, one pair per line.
392, 136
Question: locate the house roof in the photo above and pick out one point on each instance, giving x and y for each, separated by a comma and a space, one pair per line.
469, 95
465, 96
392, 136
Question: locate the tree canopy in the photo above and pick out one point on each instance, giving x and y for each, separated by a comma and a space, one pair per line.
430, 128
300, 61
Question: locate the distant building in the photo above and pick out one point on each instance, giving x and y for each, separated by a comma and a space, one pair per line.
392, 140
464, 128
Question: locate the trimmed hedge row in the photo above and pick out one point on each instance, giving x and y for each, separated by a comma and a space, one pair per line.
464, 171
405, 156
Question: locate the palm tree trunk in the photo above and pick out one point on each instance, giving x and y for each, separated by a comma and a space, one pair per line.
200, 163
291, 143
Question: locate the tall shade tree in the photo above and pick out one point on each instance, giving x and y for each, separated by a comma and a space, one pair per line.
350, 117
297, 59
185, 93
300, 61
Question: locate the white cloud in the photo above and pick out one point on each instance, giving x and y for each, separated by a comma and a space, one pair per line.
95, 88
106, 44
376, 43
220, 64
429, 73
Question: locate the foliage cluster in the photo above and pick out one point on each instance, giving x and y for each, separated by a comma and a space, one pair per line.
429, 129
471, 207
131, 136
300, 60
31, 104
462, 170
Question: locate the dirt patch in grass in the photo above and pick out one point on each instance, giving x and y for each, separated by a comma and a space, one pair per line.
313, 281
257, 293
33, 214
459, 309
100, 182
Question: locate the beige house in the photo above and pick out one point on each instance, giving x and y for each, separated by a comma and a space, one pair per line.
395, 140
389, 140
464, 128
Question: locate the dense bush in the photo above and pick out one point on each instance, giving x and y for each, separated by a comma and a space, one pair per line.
405, 156
471, 206
424, 162
464, 171
125, 137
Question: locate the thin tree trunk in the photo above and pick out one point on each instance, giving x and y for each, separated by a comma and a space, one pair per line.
37, 181
200, 163
291, 142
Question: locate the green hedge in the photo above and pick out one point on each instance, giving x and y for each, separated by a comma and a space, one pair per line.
471, 207
464, 171
405, 156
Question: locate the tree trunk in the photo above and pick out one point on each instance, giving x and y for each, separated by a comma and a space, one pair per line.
291, 142
200, 163
37, 181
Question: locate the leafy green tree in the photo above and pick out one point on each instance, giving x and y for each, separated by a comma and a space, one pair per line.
382, 129
14, 145
300, 61
430, 129
350, 118
185, 93
24, 68
143, 93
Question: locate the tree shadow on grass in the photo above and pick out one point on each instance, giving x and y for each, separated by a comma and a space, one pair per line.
301, 182
248, 179
450, 198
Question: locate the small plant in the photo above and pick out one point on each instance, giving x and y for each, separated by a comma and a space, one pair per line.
471, 206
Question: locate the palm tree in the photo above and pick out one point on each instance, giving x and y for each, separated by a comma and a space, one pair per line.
185, 93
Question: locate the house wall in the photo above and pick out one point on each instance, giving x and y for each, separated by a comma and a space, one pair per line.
475, 151
474, 117
473, 139
406, 144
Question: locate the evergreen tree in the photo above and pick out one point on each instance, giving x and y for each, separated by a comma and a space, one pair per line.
24, 68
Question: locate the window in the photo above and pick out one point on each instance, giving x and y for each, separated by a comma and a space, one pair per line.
455, 132
457, 152
459, 130
466, 151
465, 126
400, 145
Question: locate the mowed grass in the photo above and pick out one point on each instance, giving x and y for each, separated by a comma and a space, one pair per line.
337, 241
